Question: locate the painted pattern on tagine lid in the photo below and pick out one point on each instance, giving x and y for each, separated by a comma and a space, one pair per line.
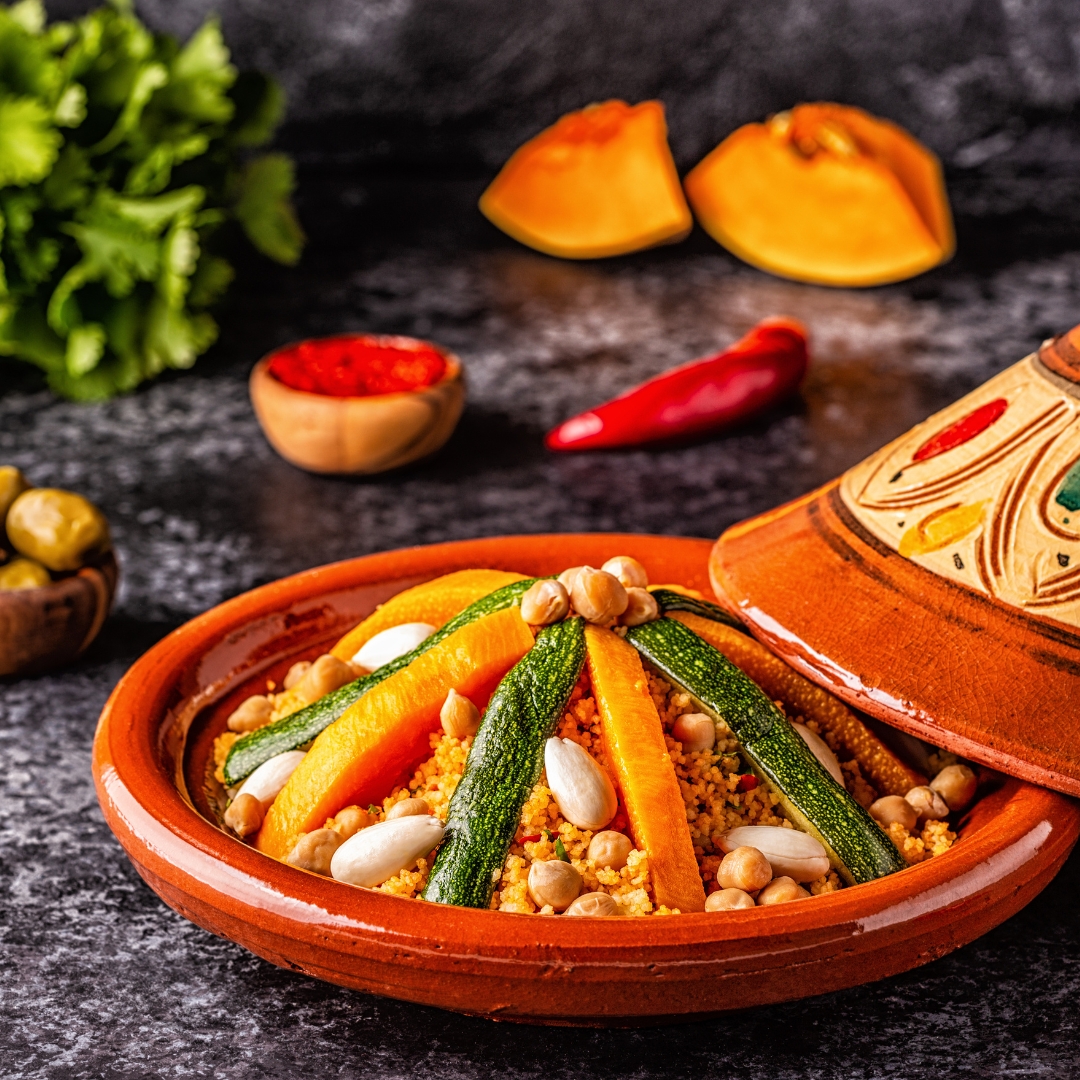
936, 584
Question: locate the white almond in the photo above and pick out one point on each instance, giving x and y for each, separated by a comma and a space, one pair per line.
266, 782
790, 853
390, 644
585, 795
822, 751
380, 851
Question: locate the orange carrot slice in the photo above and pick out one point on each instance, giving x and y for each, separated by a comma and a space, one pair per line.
434, 602
381, 737
802, 698
634, 745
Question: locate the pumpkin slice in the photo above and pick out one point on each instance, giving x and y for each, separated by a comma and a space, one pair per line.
828, 194
598, 182
633, 738
384, 734
802, 698
434, 602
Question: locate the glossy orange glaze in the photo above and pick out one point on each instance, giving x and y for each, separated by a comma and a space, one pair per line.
519, 967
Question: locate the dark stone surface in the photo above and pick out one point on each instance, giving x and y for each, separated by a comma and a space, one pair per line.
101, 979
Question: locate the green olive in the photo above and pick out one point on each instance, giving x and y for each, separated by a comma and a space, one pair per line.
58, 528
23, 574
12, 485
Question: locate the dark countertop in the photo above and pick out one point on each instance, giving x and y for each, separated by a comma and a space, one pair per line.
101, 979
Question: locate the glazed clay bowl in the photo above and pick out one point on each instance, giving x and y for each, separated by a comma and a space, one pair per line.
45, 628
151, 756
357, 435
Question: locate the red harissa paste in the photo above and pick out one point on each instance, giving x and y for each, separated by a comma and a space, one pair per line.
358, 366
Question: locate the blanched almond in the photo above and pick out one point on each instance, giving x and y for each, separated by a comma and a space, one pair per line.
790, 853
380, 851
390, 644
822, 751
266, 782
585, 794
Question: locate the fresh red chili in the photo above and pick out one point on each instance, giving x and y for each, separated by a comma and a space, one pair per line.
747, 782
358, 365
762, 368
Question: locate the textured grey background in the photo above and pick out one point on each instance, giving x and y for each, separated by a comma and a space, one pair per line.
400, 110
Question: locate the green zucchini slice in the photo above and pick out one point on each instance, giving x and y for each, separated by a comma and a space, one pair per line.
292, 732
857, 846
670, 600
504, 764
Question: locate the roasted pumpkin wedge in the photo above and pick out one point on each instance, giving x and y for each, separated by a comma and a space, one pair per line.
825, 193
291, 732
857, 847
633, 739
801, 697
504, 764
598, 182
385, 733
434, 602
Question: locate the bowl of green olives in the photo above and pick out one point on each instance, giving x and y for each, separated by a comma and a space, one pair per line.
58, 575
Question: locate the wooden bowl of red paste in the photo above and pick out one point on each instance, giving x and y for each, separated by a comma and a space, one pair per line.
357, 403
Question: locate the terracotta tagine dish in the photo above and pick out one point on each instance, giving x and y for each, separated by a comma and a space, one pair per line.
939, 579
156, 766
357, 403
58, 575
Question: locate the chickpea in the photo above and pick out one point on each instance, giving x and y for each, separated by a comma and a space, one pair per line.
609, 849
894, 808
251, 714
60, 529
12, 485
350, 821
728, 900
408, 808
567, 578
628, 570
781, 890
744, 868
545, 602
593, 903
296, 673
325, 675
23, 574
641, 607
598, 596
460, 717
245, 815
956, 784
553, 882
928, 804
695, 731
314, 850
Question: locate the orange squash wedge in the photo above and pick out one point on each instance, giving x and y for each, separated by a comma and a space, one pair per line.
802, 698
384, 734
434, 602
827, 194
598, 182
633, 739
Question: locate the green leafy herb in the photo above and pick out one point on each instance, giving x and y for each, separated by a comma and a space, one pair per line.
560, 851
122, 154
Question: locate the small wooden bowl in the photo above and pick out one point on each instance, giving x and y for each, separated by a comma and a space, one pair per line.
357, 435
52, 626
154, 746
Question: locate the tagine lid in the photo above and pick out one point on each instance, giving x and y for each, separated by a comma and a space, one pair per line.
936, 585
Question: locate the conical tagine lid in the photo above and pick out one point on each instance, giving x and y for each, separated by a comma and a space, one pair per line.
936, 585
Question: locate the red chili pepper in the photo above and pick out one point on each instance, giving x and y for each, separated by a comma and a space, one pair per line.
764, 367
747, 782
531, 839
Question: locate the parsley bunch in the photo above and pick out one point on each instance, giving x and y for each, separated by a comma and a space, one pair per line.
121, 154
